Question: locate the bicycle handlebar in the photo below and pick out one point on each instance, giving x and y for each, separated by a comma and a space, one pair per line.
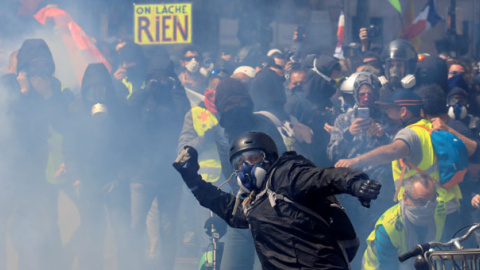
420, 249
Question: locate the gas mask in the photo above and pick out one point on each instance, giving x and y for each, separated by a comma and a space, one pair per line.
457, 107
95, 98
457, 111
421, 215
99, 111
251, 174
193, 66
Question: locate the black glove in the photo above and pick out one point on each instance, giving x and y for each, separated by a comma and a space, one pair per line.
187, 162
366, 190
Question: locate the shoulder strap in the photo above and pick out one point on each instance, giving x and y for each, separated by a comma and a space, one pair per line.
270, 116
273, 197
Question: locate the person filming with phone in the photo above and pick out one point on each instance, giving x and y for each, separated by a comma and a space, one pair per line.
355, 132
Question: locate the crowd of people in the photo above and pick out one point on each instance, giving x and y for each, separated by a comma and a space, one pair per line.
110, 146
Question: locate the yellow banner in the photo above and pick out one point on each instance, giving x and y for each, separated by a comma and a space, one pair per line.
163, 23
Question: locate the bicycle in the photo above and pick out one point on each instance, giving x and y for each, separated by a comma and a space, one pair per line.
459, 258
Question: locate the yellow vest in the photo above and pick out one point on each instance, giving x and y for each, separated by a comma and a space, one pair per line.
210, 166
392, 221
428, 164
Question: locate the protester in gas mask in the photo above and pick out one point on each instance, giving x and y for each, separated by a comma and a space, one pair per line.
458, 109
191, 77
130, 74
400, 62
235, 112
97, 159
418, 218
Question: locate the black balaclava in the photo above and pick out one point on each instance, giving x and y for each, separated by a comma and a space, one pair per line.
235, 120
268, 93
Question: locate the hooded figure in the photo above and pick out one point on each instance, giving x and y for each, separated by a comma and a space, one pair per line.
35, 58
96, 154
97, 89
319, 87
268, 94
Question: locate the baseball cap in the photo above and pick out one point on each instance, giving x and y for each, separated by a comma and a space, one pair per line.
403, 98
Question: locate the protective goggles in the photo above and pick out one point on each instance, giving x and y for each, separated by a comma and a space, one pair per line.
251, 157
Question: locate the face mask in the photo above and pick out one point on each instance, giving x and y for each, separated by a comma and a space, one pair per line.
236, 120
457, 112
251, 177
193, 66
421, 215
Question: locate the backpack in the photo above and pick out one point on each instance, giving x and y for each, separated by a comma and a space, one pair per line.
452, 158
338, 223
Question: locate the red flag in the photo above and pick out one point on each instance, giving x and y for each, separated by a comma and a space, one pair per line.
80, 47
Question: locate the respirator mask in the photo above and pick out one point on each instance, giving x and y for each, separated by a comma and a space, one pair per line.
95, 97
192, 64
457, 108
250, 170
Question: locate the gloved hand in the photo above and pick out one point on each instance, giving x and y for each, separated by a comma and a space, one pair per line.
187, 162
366, 190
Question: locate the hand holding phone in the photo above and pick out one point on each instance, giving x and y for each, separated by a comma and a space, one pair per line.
363, 112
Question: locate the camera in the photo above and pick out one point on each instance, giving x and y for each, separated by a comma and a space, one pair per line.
373, 31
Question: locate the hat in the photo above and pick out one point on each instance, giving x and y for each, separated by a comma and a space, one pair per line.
229, 88
457, 91
249, 71
403, 98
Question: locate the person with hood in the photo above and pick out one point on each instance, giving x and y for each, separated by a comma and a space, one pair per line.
269, 98
235, 115
130, 74
158, 121
32, 107
97, 160
355, 133
319, 88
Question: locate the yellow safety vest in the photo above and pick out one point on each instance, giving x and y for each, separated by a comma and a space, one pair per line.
210, 166
392, 221
428, 164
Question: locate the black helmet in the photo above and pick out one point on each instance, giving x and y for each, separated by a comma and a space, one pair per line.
254, 140
403, 50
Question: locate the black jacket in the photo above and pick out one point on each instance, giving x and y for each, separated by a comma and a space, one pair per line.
286, 237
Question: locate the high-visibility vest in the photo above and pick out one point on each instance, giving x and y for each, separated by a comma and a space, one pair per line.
392, 221
210, 166
428, 164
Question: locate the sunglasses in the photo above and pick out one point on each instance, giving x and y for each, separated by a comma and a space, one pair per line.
421, 202
189, 58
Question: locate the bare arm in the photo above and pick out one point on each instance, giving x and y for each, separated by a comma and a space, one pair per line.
471, 145
381, 155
